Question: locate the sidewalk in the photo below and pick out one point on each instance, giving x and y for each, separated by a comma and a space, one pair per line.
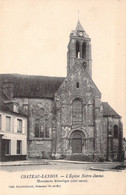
25, 163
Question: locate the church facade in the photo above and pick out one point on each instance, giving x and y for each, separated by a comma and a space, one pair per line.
65, 116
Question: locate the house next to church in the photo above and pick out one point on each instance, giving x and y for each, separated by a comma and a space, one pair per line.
61, 117
13, 126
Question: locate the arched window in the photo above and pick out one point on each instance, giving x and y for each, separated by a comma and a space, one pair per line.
115, 129
77, 50
77, 112
37, 130
41, 124
84, 51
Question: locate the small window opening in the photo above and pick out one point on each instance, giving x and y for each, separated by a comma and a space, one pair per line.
77, 50
115, 128
84, 65
78, 56
84, 51
77, 84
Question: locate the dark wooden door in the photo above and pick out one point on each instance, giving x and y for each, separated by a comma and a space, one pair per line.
77, 145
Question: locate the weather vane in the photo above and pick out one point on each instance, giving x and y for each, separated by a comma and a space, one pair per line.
78, 14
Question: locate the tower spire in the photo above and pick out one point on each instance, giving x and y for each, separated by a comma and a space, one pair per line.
79, 26
79, 49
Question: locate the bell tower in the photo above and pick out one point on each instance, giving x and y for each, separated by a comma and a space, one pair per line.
79, 49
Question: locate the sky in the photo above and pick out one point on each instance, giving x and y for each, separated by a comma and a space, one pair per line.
34, 35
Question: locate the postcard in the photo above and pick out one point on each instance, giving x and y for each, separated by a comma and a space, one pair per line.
62, 97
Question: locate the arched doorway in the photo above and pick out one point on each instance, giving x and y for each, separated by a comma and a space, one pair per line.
77, 143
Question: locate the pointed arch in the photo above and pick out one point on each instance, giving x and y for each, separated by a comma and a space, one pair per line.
41, 128
77, 50
84, 50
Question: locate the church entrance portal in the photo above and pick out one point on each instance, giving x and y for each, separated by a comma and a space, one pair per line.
77, 143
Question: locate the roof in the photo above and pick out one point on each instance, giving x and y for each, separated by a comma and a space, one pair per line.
30, 86
5, 108
79, 28
108, 110
6, 105
20, 114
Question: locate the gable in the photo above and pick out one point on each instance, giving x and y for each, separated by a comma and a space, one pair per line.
79, 83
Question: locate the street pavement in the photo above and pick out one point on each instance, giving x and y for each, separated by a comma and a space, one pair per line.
72, 177
61, 164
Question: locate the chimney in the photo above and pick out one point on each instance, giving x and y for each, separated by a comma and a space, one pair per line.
8, 89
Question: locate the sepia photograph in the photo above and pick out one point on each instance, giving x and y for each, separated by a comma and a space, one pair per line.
63, 97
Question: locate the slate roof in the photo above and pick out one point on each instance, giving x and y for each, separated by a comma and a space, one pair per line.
79, 28
108, 110
30, 86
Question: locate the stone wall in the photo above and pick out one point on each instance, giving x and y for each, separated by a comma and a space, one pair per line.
38, 109
113, 147
92, 112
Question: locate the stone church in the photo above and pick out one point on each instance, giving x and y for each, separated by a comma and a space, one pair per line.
65, 115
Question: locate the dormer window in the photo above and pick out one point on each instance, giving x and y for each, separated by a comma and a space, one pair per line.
16, 107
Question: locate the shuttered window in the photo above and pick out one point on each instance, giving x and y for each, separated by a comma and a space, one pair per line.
19, 126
